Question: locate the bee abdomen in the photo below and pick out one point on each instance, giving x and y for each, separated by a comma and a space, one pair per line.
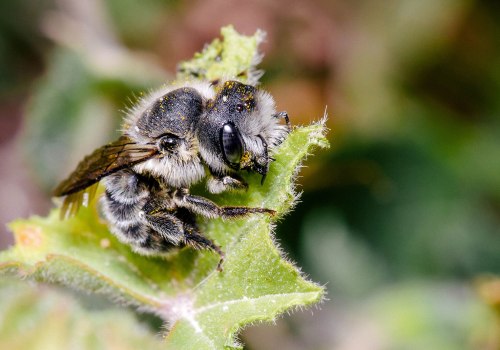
121, 204
143, 239
125, 187
121, 211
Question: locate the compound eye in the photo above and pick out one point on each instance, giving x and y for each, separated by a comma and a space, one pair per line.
232, 145
168, 143
240, 107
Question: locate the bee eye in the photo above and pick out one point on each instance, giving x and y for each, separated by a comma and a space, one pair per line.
232, 147
168, 142
240, 107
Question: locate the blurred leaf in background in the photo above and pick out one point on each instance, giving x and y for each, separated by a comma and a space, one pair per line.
42, 317
415, 177
412, 315
21, 45
75, 107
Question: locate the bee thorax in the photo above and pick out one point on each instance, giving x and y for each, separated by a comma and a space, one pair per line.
172, 171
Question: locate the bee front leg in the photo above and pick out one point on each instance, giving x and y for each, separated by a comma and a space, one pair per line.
221, 183
284, 115
209, 209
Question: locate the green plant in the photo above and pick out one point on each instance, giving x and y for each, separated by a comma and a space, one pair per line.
202, 308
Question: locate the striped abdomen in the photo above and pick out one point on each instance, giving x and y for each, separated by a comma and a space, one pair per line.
126, 195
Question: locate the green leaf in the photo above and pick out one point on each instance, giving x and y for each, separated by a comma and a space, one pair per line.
205, 308
202, 307
39, 317
234, 55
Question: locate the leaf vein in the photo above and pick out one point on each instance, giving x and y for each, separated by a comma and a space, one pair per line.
250, 300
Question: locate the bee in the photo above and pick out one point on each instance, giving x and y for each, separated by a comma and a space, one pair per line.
172, 139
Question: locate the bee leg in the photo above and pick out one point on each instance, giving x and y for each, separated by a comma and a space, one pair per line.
196, 240
168, 227
217, 184
209, 209
283, 115
175, 231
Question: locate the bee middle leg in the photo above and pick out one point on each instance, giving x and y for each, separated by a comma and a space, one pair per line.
209, 209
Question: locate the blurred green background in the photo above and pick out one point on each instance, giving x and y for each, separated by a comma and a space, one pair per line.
400, 219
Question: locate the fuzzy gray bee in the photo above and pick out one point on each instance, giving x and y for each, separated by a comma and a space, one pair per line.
172, 139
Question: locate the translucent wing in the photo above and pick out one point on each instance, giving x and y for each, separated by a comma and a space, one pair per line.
80, 186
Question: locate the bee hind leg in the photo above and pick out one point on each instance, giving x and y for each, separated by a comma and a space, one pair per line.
180, 232
196, 240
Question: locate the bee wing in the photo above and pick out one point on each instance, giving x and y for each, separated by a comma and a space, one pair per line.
80, 186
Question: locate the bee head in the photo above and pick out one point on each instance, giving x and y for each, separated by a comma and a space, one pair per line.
239, 129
